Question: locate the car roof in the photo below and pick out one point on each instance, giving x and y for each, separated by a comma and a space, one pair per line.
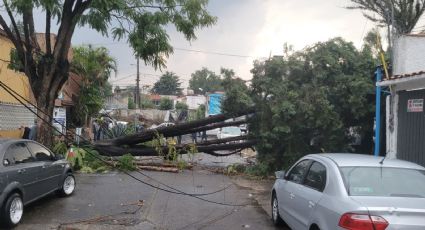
350, 160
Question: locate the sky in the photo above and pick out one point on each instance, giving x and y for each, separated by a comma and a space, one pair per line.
246, 30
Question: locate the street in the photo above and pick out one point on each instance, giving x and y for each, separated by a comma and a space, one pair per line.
116, 201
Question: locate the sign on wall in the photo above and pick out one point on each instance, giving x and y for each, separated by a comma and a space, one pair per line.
415, 105
59, 118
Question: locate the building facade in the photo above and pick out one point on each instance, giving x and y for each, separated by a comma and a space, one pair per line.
405, 127
13, 115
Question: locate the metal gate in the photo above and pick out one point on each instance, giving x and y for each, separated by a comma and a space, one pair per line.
411, 126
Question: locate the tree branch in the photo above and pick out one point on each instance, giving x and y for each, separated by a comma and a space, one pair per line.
47, 34
119, 151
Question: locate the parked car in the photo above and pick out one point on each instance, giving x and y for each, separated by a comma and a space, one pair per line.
29, 172
350, 191
231, 131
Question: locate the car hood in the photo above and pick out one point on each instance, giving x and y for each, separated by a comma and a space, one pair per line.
400, 212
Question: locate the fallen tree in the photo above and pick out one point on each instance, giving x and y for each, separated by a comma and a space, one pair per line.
209, 123
224, 140
181, 149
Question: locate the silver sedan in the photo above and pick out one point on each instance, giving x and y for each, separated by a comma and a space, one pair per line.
350, 191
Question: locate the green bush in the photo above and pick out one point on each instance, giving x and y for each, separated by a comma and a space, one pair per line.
181, 106
261, 170
127, 162
165, 104
60, 147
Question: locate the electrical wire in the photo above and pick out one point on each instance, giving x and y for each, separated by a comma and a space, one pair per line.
176, 191
10, 91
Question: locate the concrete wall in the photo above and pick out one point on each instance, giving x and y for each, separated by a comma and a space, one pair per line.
195, 101
409, 53
150, 114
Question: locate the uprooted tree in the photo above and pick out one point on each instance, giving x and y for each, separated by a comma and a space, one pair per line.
44, 60
135, 144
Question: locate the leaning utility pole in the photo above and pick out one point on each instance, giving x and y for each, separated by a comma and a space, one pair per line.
137, 98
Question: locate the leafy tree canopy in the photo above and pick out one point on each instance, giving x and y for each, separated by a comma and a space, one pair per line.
308, 101
204, 80
94, 66
165, 104
406, 14
237, 93
44, 59
168, 84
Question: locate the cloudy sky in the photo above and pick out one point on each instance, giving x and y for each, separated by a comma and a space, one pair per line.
246, 30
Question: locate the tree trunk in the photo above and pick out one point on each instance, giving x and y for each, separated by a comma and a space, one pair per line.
176, 130
119, 151
45, 130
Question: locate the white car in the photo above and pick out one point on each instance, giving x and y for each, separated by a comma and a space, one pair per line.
231, 131
350, 191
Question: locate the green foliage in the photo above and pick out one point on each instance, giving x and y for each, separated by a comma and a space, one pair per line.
259, 170
131, 104
95, 66
237, 94
86, 160
235, 169
307, 102
75, 157
127, 162
145, 103
60, 147
204, 80
119, 131
406, 13
165, 104
200, 112
168, 84
181, 106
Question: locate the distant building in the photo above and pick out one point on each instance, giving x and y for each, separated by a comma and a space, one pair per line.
194, 101
405, 127
213, 104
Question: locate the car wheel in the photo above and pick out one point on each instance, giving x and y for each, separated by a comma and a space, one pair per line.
12, 210
68, 185
277, 220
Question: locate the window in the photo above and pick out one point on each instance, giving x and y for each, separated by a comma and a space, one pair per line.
40, 153
17, 154
297, 173
316, 177
384, 181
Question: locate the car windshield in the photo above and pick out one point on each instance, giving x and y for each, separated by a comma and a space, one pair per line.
384, 181
232, 130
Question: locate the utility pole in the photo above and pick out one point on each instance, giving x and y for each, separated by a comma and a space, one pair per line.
138, 86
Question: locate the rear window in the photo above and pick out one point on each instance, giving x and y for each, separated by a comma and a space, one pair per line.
382, 181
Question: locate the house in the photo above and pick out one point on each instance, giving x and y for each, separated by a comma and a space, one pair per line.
13, 115
405, 125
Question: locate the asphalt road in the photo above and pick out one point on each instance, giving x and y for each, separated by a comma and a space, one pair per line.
116, 201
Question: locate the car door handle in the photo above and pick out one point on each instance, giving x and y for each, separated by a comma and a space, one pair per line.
292, 196
311, 204
21, 170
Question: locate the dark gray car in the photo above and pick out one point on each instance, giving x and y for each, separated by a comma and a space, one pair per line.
28, 172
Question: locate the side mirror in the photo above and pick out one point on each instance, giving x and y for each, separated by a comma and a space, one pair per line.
59, 157
280, 175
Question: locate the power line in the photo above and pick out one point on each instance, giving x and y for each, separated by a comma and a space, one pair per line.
176, 191
189, 50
